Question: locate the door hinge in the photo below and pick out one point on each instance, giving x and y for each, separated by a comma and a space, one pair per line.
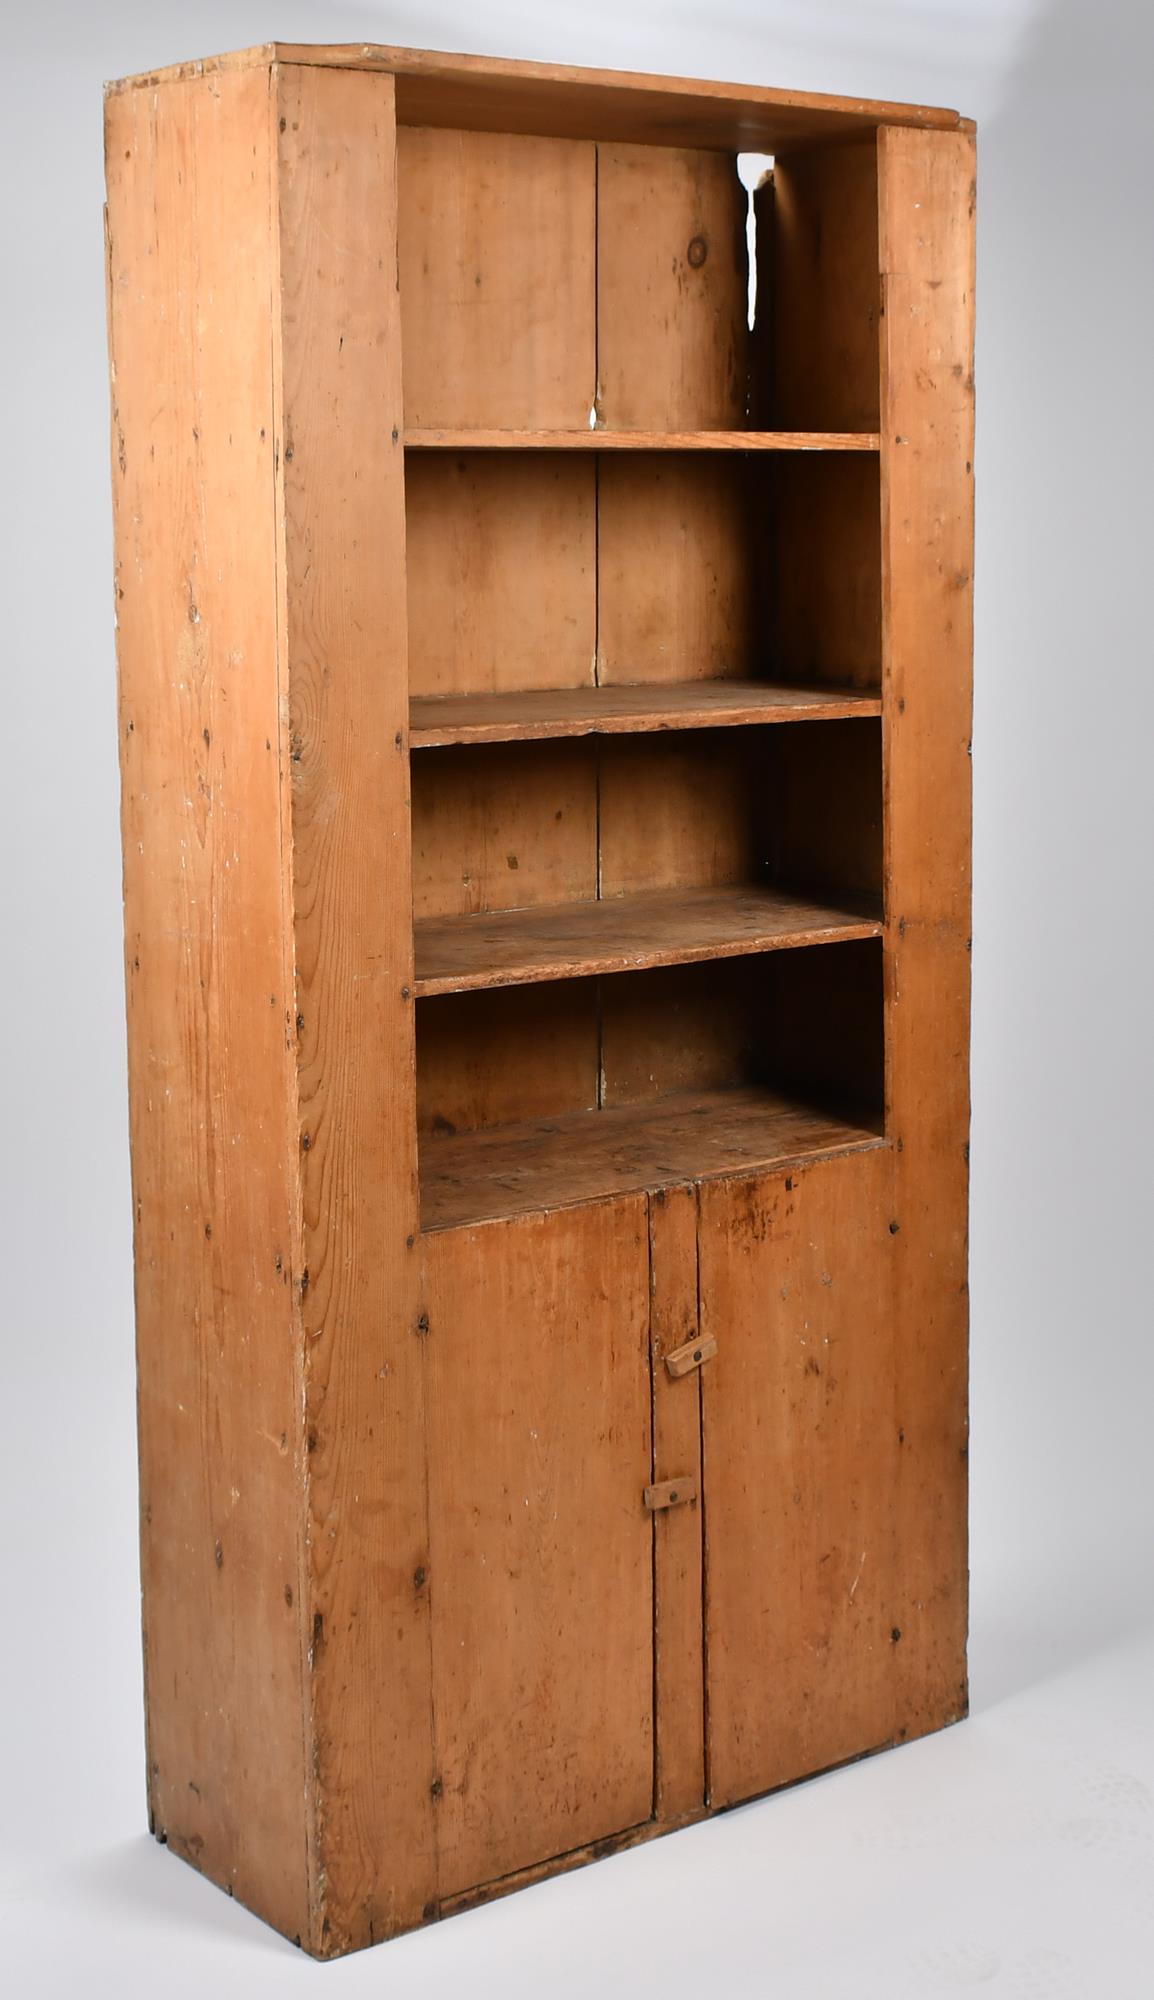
670, 1493
681, 1359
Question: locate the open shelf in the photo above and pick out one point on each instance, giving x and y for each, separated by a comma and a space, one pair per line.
628, 933
551, 1162
613, 440
627, 708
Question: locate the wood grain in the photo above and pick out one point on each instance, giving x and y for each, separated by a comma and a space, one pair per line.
800, 1451
487, 93
625, 708
671, 291
541, 1572
679, 1689
204, 769
688, 1027
343, 649
824, 289
506, 1054
497, 248
673, 927
502, 573
822, 555
677, 583
927, 236
681, 812
556, 1162
602, 439
497, 828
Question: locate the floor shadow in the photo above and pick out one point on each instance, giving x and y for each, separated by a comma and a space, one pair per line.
158, 1890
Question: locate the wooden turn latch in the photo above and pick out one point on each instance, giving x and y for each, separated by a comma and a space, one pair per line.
670, 1493
681, 1359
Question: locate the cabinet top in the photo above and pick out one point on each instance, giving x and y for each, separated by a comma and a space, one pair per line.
490, 94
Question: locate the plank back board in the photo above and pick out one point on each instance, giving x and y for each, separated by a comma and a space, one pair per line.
496, 238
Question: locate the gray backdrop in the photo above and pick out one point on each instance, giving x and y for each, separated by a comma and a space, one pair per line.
1063, 1376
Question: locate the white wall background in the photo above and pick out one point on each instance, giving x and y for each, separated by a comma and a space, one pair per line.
1063, 1332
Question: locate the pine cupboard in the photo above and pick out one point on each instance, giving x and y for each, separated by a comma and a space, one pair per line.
544, 723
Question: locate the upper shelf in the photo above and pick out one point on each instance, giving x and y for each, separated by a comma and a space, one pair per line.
627, 934
625, 708
608, 440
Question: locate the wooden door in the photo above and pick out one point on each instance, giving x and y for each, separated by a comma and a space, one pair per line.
800, 1453
541, 1549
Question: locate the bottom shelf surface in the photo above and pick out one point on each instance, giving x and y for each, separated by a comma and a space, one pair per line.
554, 1162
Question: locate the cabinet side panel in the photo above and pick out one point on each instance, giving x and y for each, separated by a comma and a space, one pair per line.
821, 211
927, 255
345, 647
209, 980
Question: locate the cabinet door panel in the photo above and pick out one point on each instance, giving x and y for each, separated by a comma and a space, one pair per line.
800, 1459
541, 1550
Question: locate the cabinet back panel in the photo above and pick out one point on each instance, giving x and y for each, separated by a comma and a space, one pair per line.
502, 571
671, 290
541, 1550
499, 827
506, 1054
497, 255
676, 569
805, 1022
680, 811
682, 1027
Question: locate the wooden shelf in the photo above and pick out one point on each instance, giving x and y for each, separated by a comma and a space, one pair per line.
607, 440
554, 1162
626, 934
626, 708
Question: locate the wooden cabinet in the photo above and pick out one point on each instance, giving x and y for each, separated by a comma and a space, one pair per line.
543, 601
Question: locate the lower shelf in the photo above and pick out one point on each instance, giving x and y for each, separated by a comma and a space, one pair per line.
555, 1162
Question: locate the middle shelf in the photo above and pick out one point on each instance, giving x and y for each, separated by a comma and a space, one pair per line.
629, 933
630, 707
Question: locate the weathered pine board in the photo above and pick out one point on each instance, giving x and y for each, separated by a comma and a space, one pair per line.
541, 1549
824, 303
551, 1163
498, 827
205, 765
628, 933
502, 572
603, 439
671, 291
487, 93
497, 242
626, 708
927, 254
343, 640
800, 1458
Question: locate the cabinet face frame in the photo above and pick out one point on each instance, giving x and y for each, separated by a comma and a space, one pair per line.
284, 1332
